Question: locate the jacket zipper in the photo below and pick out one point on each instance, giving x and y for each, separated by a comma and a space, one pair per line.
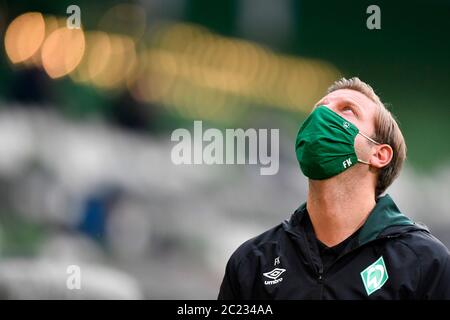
320, 282
318, 269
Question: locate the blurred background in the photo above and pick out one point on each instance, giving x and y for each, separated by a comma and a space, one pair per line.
86, 116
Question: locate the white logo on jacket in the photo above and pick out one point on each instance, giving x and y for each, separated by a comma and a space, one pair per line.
274, 275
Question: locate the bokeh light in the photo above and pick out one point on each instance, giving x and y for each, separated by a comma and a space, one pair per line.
125, 18
62, 51
189, 68
24, 36
96, 56
119, 62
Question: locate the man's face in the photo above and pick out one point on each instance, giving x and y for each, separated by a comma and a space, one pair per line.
357, 109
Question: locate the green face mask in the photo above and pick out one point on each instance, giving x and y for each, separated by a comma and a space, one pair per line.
325, 144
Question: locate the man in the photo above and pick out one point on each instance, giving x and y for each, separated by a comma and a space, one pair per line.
347, 241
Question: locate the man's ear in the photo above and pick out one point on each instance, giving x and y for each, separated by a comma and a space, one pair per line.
382, 156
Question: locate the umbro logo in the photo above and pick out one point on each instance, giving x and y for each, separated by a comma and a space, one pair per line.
274, 276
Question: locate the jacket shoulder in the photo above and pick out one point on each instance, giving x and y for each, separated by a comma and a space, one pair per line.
426, 246
240, 274
255, 245
433, 259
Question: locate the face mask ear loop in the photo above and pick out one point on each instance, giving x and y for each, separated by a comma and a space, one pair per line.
368, 138
371, 140
365, 162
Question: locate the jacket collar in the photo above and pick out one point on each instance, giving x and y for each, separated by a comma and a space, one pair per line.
384, 215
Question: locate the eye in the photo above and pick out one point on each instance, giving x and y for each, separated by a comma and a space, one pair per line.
348, 109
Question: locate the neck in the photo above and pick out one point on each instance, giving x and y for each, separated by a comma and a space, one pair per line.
338, 207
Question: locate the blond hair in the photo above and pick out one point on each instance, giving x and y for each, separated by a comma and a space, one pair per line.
386, 131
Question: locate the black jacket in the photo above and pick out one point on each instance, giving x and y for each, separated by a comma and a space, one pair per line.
390, 258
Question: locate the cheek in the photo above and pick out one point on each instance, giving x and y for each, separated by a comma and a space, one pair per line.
362, 146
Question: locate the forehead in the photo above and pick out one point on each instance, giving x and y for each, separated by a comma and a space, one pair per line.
351, 96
